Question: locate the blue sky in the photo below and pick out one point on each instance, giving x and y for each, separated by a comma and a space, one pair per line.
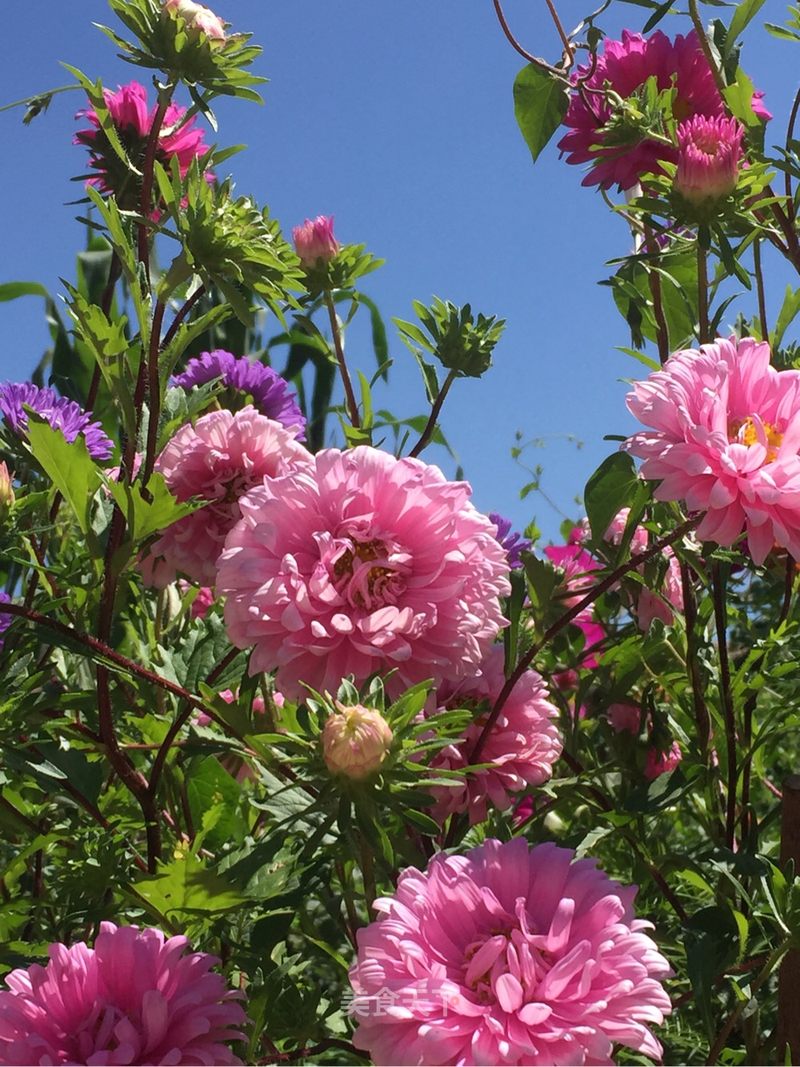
397, 119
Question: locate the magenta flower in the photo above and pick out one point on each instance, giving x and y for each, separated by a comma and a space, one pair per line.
61, 413
362, 563
577, 565
314, 241
507, 955
522, 746
658, 763
709, 150
203, 601
724, 435
218, 460
268, 392
132, 116
624, 67
625, 718
137, 997
6, 618
355, 741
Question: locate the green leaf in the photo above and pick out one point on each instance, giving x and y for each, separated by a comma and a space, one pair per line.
787, 314
612, 487
210, 787
186, 886
540, 103
742, 16
68, 465
14, 290
149, 516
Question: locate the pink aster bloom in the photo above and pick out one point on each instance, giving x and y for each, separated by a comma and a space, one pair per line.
709, 150
197, 17
625, 718
133, 119
137, 997
218, 459
522, 747
314, 240
724, 435
507, 955
362, 563
624, 67
658, 763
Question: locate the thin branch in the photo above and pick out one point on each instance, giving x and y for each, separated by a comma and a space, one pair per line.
181, 315
762, 303
719, 1042
568, 49
352, 404
153, 394
145, 201
789, 139
720, 619
430, 425
535, 60
701, 713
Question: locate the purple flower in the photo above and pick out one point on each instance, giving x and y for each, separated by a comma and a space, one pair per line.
514, 543
61, 413
5, 619
270, 393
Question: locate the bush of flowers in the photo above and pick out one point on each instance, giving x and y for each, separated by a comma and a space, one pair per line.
305, 759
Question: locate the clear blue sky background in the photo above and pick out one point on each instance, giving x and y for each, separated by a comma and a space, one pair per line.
398, 119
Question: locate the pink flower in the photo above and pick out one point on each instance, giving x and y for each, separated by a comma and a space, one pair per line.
709, 150
137, 997
522, 747
218, 459
624, 67
362, 563
724, 437
524, 810
314, 240
507, 955
625, 718
616, 531
649, 604
197, 17
355, 741
133, 119
658, 763
203, 601
577, 564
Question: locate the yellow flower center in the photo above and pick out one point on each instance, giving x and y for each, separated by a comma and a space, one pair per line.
746, 432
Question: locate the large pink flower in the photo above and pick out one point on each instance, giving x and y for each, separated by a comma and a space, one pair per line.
132, 117
522, 747
624, 67
724, 437
507, 955
218, 459
363, 563
135, 998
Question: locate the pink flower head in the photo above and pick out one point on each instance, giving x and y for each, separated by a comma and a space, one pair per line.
616, 531
507, 955
218, 460
724, 437
577, 565
314, 241
522, 747
625, 718
355, 741
650, 604
203, 601
709, 150
132, 116
658, 763
624, 67
362, 563
197, 17
137, 997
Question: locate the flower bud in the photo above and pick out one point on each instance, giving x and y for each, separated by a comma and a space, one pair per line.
314, 241
355, 741
709, 151
7, 497
196, 17
625, 718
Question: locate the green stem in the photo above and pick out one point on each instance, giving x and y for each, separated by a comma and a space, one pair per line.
719, 1042
430, 425
350, 397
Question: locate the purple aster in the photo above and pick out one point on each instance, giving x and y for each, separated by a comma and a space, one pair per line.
5, 619
270, 393
61, 413
514, 543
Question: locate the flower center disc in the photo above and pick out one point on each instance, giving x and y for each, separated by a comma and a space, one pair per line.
752, 431
370, 573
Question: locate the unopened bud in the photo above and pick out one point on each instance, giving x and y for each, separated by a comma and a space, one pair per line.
314, 241
355, 741
7, 497
197, 17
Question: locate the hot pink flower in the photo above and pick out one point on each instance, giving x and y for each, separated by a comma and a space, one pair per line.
203, 601
658, 763
625, 718
522, 747
624, 67
507, 955
577, 565
363, 563
197, 17
133, 118
314, 240
709, 150
355, 741
218, 459
135, 998
724, 437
